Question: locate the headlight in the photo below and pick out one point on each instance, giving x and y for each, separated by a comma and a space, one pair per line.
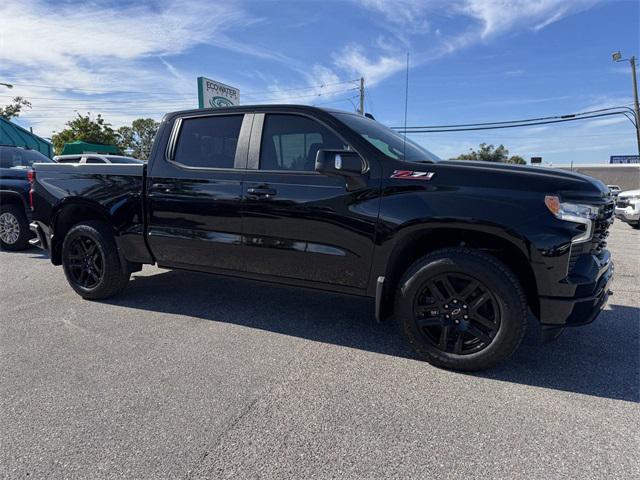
573, 212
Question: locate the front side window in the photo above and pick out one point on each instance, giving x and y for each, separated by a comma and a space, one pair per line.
208, 142
95, 160
291, 142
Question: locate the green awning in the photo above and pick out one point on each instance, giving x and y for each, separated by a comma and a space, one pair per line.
14, 135
77, 147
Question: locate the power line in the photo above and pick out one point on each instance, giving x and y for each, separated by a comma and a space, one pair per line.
547, 122
526, 120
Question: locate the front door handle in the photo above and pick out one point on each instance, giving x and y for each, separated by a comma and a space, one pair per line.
264, 192
167, 187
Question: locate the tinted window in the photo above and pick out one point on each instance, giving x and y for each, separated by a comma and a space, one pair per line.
69, 159
208, 141
13, 157
389, 142
291, 142
95, 160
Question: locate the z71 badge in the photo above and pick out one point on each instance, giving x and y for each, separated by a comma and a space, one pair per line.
409, 174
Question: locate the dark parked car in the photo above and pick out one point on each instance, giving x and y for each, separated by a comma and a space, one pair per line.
15, 212
457, 252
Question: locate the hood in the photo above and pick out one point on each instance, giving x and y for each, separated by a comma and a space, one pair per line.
520, 177
629, 193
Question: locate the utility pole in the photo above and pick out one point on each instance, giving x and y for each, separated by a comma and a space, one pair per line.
361, 109
617, 57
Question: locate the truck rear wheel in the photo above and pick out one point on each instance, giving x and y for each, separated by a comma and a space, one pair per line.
461, 309
14, 228
91, 261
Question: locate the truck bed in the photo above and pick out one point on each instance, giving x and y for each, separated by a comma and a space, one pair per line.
117, 189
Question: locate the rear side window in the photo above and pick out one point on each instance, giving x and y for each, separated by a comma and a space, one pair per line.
208, 142
94, 160
11, 157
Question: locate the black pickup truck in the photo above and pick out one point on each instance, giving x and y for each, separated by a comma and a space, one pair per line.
457, 252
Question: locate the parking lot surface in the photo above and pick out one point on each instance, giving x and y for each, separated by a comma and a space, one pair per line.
193, 376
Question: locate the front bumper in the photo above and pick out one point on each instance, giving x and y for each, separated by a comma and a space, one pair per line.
627, 214
580, 310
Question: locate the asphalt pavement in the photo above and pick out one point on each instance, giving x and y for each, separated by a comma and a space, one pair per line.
193, 376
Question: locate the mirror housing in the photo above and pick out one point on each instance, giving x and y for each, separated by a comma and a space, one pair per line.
344, 163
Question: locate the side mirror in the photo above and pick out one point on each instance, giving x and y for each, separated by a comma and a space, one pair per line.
344, 163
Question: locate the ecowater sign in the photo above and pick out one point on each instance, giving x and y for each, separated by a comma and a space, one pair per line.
212, 94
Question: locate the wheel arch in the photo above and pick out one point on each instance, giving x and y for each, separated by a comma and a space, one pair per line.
11, 197
421, 240
68, 213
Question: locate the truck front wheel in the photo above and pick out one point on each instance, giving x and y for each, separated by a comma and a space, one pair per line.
91, 261
461, 309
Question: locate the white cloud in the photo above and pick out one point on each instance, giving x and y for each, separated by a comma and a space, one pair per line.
353, 60
499, 16
408, 15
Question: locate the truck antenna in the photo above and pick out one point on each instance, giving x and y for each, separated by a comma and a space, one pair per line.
406, 106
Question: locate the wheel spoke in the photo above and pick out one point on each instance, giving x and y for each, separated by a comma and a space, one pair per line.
479, 334
482, 320
468, 290
93, 276
451, 292
457, 347
429, 322
478, 302
444, 337
435, 291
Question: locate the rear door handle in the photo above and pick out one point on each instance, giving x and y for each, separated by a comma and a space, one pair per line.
264, 192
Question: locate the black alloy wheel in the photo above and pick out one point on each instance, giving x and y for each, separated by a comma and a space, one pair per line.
461, 309
457, 313
85, 262
91, 261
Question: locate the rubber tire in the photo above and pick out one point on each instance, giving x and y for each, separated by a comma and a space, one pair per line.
25, 233
636, 225
115, 278
495, 275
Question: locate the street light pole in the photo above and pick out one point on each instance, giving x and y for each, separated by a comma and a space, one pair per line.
632, 61
617, 57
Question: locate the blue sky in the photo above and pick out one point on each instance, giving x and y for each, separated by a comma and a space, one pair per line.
471, 61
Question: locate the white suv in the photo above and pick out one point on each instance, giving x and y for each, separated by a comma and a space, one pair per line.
628, 207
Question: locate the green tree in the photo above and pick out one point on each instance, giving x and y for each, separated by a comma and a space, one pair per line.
14, 108
138, 138
84, 129
490, 153
517, 160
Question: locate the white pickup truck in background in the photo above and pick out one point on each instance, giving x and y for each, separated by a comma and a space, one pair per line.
628, 207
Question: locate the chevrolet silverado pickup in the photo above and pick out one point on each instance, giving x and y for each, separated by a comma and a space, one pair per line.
458, 253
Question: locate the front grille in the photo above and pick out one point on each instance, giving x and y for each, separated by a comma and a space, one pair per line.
601, 228
622, 203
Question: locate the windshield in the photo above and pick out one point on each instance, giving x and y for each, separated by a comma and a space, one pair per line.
391, 143
15, 157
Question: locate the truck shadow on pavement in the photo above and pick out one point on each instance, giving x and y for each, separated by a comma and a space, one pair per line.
601, 359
